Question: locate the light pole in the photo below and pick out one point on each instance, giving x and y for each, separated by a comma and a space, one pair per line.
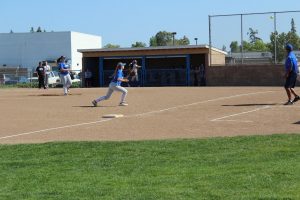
196, 39
174, 33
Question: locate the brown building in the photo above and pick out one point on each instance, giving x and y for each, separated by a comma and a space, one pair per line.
160, 66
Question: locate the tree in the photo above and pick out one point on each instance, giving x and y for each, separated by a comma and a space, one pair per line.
259, 45
282, 39
234, 47
111, 46
11, 31
224, 48
39, 30
32, 30
138, 44
293, 27
164, 38
280, 44
153, 42
252, 35
292, 36
184, 41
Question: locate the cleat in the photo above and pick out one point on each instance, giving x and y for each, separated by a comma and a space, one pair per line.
297, 98
289, 103
123, 104
94, 103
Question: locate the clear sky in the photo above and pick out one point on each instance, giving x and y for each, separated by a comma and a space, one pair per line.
124, 22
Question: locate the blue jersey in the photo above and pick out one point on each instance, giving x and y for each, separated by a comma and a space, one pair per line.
118, 75
62, 66
291, 63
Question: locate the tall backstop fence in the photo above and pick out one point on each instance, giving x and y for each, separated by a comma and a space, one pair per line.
255, 38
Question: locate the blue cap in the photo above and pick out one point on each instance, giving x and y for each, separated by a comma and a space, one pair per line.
289, 47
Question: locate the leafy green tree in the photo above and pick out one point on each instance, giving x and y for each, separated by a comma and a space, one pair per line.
138, 44
259, 45
153, 42
184, 41
111, 46
281, 40
234, 47
292, 36
164, 38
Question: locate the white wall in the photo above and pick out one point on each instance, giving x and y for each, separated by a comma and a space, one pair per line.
82, 41
27, 49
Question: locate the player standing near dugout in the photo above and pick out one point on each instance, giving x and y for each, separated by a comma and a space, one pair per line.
115, 85
64, 74
40, 70
134, 80
291, 72
47, 73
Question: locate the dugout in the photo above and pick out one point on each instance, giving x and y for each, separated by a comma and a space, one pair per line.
160, 66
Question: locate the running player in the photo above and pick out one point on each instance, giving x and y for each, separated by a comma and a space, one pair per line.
115, 85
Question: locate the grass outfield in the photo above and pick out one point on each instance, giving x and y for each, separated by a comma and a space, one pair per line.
258, 167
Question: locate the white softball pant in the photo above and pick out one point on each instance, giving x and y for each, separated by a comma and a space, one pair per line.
66, 81
114, 87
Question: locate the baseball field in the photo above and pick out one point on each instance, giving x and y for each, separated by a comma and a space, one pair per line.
172, 143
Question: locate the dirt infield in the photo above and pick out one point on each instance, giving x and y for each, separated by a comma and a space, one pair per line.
36, 116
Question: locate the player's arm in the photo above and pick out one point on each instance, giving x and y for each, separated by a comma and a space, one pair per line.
123, 79
289, 69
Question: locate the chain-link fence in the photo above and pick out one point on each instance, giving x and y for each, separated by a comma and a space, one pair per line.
255, 38
14, 75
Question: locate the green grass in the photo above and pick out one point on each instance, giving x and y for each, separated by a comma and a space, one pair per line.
258, 167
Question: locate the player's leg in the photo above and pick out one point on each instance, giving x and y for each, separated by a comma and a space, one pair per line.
64, 82
292, 86
69, 81
124, 94
106, 97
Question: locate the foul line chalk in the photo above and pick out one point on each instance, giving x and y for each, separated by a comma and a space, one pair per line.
196, 103
237, 114
57, 128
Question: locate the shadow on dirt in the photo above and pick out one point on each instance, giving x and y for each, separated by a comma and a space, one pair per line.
254, 104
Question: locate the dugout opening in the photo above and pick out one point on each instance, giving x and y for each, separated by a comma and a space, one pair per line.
165, 71
109, 66
91, 63
197, 70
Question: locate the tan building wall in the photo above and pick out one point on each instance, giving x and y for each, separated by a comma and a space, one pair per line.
217, 58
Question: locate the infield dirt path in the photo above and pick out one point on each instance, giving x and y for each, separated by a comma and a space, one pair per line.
37, 116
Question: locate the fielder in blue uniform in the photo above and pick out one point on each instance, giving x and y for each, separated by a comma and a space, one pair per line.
291, 73
115, 85
64, 75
